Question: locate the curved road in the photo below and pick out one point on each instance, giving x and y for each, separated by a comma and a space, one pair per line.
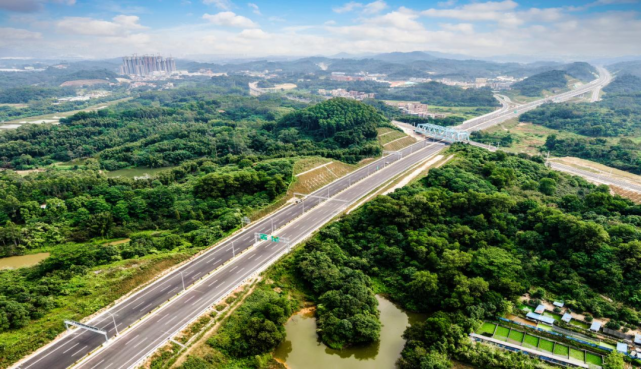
511, 109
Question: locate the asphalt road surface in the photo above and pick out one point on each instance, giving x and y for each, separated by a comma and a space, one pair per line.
590, 176
206, 287
596, 177
511, 110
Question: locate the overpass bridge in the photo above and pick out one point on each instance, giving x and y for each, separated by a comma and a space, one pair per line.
443, 133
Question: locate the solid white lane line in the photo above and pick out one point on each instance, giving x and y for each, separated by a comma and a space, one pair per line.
69, 349
139, 342
77, 352
139, 304
169, 321
101, 361
272, 255
52, 351
189, 299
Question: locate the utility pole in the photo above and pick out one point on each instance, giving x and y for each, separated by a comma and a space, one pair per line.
115, 325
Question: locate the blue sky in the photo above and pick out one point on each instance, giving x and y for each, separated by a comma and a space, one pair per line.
569, 29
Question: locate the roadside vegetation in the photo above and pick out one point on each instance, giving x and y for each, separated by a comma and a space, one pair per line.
230, 156
462, 245
605, 132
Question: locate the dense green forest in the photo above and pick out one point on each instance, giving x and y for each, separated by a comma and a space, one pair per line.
21, 95
534, 86
193, 124
616, 116
630, 67
461, 245
53, 77
230, 155
554, 80
435, 93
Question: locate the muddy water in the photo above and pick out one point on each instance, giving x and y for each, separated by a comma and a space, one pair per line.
13, 262
302, 350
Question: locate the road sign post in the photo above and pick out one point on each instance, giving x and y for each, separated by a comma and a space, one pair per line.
86, 327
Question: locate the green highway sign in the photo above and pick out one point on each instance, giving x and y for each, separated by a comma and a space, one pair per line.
275, 239
263, 236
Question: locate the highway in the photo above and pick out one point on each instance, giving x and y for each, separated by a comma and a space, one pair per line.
596, 177
511, 109
212, 275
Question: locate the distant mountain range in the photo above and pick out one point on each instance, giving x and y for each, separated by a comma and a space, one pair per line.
397, 65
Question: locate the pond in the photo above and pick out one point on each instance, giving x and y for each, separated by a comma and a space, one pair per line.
13, 262
302, 349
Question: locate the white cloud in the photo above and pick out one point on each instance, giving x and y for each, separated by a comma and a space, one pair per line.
400, 19
230, 19
348, 7
8, 34
497, 11
375, 7
122, 24
458, 28
29, 6
255, 8
446, 4
220, 4
467, 28
253, 34
371, 8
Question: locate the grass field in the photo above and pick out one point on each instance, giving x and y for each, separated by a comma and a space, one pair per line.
487, 328
576, 354
546, 345
526, 308
579, 323
135, 172
386, 135
516, 336
593, 359
561, 350
531, 340
607, 345
545, 327
501, 333
398, 144
554, 316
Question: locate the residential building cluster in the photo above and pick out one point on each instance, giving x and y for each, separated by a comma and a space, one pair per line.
355, 95
416, 109
362, 76
147, 65
86, 97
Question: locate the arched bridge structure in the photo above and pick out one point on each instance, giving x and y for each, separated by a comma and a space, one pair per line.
443, 133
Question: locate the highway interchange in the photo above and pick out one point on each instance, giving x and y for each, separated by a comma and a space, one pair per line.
511, 109
214, 274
